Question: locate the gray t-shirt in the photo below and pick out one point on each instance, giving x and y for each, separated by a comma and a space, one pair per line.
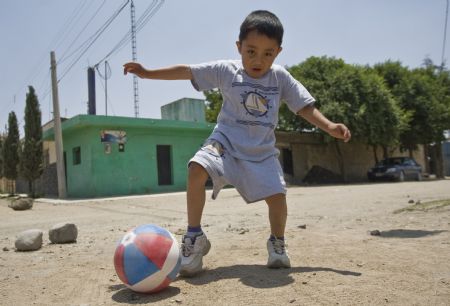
249, 114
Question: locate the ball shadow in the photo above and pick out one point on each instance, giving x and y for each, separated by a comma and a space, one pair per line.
127, 296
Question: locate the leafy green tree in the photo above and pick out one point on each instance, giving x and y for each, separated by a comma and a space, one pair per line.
214, 102
351, 94
317, 74
436, 83
424, 95
331, 82
405, 89
11, 151
32, 154
381, 120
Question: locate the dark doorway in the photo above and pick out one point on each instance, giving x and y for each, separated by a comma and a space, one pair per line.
288, 165
164, 160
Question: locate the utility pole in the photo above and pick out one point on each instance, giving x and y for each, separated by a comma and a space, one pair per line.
134, 53
106, 89
60, 170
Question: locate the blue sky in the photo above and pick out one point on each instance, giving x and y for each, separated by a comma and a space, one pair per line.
184, 32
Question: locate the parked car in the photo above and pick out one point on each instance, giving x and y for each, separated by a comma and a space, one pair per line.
396, 168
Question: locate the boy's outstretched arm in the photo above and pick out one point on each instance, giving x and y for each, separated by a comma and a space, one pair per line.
315, 117
178, 72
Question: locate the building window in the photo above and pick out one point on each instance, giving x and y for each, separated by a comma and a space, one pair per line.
164, 160
76, 153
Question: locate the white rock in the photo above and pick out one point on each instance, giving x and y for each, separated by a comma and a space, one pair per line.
29, 240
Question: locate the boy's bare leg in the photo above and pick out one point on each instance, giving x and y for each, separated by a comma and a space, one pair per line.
197, 177
194, 245
277, 214
278, 255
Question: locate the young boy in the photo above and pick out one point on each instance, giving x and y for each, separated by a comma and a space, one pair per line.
241, 149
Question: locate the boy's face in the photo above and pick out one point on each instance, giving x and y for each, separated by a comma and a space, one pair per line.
258, 53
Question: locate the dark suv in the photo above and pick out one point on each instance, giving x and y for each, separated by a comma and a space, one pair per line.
396, 168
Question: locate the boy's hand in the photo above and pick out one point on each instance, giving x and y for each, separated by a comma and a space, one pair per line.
134, 68
340, 131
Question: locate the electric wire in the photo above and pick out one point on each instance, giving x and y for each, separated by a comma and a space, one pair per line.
81, 32
93, 39
71, 25
151, 10
42, 61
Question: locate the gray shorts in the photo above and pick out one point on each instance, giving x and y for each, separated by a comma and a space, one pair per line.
254, 181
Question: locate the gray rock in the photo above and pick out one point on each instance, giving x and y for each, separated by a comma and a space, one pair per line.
21, 204
29, 240
63, 233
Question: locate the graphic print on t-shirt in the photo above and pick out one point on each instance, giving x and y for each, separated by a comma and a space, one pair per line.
256, 104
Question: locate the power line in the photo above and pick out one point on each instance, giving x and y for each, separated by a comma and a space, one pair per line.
93, 39
41, 63
81, 32
150, 11
73, 22
131, 35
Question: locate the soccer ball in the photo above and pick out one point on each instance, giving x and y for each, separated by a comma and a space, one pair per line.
147, 259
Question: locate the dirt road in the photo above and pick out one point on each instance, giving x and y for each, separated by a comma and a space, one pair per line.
335, 259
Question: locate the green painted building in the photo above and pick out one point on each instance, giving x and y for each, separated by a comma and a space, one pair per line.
107, 156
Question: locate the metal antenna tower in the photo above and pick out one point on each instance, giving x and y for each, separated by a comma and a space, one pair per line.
445, 37
134, 53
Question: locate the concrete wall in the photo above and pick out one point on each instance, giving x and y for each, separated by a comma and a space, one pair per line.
185, 109
310, 150
4, 185
46, 185
446, 156
49, 151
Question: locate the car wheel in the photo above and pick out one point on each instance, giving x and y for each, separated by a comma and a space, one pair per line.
419, 176
401, 177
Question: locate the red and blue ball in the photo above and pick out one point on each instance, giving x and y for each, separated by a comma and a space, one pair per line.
147, 259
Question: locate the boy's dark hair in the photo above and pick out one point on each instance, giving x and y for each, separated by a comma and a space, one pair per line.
265, 23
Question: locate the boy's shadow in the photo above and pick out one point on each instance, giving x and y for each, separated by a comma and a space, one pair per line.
258, 276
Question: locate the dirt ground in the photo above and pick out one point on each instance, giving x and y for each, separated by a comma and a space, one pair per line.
335, 259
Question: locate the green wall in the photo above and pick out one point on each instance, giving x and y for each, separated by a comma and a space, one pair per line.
133, 171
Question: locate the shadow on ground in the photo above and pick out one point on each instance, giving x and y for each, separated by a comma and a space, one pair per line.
127, 296
259, 276
406, 233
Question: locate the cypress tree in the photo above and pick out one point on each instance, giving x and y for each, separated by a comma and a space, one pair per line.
11, 150
32, 154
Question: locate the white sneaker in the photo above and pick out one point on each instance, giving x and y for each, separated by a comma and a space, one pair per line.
278, 254
192, 252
